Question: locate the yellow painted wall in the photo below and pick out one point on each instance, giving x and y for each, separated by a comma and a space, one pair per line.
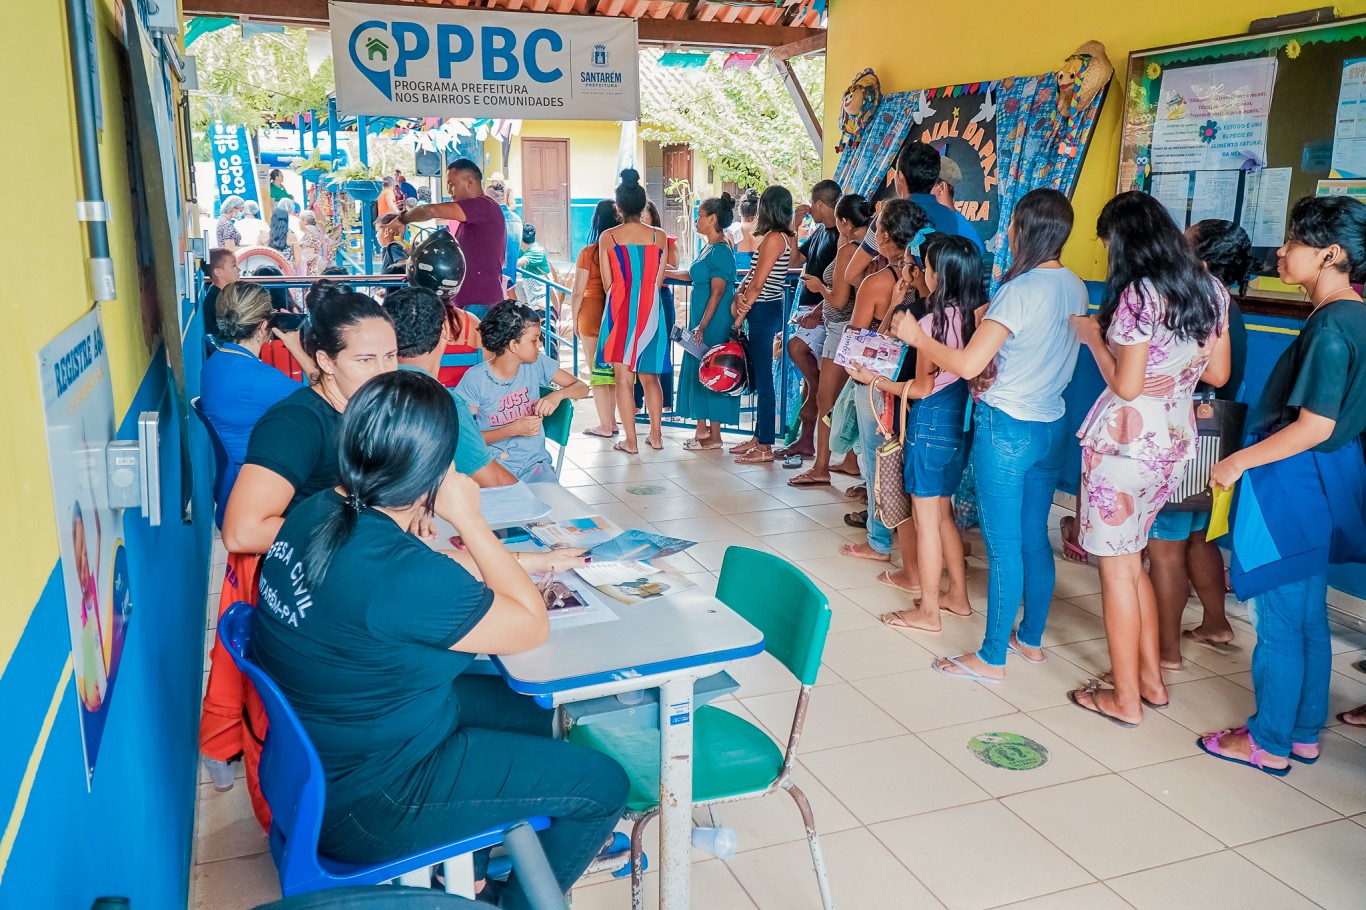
1009, 38
43, 288
592, 154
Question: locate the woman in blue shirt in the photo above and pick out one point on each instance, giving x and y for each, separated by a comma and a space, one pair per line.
236, 388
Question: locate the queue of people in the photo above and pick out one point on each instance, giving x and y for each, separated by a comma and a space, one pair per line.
338, 479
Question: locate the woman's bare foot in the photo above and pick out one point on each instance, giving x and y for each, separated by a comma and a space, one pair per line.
954, 605
744, 447
1105, 703
913, 619
655, 442
902, 578
1028, 652
1153, 695
863, 551
848, 467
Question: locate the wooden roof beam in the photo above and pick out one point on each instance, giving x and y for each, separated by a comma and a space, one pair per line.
715, 33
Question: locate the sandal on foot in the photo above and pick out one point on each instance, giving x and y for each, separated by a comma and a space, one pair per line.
755, 455
655, 445
896, 621
1222, 647
857, 519
1343, 718
622, 447
806, 480
850, 549
1071, 551
885, 578
1304, 753
1109, 679
1091, 688
697, 445
598, 432
744, 447
1209, 744
1013, 646
967, 673
837, 469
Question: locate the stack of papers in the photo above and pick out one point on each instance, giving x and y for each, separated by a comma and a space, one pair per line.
511, 505
639, 546
632, 582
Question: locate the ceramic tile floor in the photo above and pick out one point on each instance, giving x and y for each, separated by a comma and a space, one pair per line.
910, 817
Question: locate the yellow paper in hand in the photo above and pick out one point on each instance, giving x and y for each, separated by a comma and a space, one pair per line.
1218, 519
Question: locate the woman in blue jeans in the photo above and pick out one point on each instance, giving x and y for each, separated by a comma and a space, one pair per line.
759, 304
1301, 490
1026, 349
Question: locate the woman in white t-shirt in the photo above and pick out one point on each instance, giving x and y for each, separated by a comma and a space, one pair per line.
1025, 349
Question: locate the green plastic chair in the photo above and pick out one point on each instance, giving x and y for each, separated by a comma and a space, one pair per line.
732, 758
557, 427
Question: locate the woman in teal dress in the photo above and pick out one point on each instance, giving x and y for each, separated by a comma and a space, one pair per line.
712, 275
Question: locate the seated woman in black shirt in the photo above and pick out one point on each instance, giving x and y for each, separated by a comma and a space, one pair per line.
293, 451
367, 631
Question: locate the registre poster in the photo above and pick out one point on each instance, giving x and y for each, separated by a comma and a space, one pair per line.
411, 61
1349, 133
78, 407
1213, 118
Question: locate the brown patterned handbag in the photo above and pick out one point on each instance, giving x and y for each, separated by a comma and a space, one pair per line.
891, 503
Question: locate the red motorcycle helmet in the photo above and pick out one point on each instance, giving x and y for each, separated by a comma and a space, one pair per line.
723, 369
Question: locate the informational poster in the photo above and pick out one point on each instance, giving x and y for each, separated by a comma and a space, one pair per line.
1356, 189
963, 127
428, 62
1266, 201
1215, 196
78, 407
233, 166
1349, 134
1174, 192
1214, 117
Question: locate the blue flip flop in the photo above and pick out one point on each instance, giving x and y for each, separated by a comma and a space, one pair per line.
1209, 744
968, 673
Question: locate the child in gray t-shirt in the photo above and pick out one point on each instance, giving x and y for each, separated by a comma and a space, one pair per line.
505, 392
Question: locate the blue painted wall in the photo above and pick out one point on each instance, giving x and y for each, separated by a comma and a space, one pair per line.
132, 834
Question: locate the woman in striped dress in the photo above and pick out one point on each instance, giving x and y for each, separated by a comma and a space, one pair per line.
759, 303
633, 338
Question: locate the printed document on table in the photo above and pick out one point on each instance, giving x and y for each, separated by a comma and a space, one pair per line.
511, 505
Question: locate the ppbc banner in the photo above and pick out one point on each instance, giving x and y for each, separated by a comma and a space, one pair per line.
423, 62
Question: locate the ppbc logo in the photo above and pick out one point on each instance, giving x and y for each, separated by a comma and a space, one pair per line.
381, 51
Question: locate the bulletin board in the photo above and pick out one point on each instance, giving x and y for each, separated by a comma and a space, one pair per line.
1240, 128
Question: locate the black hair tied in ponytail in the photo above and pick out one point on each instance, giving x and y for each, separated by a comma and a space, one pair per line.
723, 207
396, 441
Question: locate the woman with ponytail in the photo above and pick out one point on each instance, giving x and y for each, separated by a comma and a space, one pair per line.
369, 632
634, 338
1301, 500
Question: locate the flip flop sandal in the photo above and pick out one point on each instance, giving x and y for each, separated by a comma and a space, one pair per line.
697, 445
1013, 647
1209, 744
968, 674
792, 462
857, 490
804, 480
1108, 678
755, 456
1091, 688
656, 446
1071, 551
743, 447
894, 621
848, 550
1220, 647
857, 519
1342, 719
1301, 752
621, 447
885, 578
594, 431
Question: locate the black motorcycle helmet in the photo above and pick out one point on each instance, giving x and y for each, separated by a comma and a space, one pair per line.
437, 264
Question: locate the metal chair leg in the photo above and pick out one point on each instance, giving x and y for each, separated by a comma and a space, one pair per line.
813, 840
638, 867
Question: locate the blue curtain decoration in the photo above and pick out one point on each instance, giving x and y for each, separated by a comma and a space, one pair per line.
861, 169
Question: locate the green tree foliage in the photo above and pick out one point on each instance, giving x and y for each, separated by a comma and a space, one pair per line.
255, 82
744, 122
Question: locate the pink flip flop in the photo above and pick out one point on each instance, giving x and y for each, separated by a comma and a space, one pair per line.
1209, 744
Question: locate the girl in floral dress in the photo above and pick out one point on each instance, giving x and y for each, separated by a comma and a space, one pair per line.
1161, 329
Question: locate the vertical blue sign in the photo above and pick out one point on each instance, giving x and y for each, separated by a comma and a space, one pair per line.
233, 164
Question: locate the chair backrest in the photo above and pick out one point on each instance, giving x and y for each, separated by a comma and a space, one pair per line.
557, 425
780, 601
291, 773
225, 473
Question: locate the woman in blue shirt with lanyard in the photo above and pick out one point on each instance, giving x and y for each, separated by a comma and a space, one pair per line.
368, 632
236, 389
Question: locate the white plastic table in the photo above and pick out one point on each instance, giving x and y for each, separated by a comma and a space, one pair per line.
665, 643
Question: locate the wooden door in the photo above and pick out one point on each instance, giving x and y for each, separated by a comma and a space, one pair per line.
677, 166
545, 193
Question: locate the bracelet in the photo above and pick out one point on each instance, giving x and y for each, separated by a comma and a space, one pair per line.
875, 381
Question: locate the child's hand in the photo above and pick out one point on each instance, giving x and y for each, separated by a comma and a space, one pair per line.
908, 330
1226, 473
526, 426
861, 374
547, 405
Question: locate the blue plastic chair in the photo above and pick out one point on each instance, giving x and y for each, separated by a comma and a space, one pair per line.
293, 784
225, 472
